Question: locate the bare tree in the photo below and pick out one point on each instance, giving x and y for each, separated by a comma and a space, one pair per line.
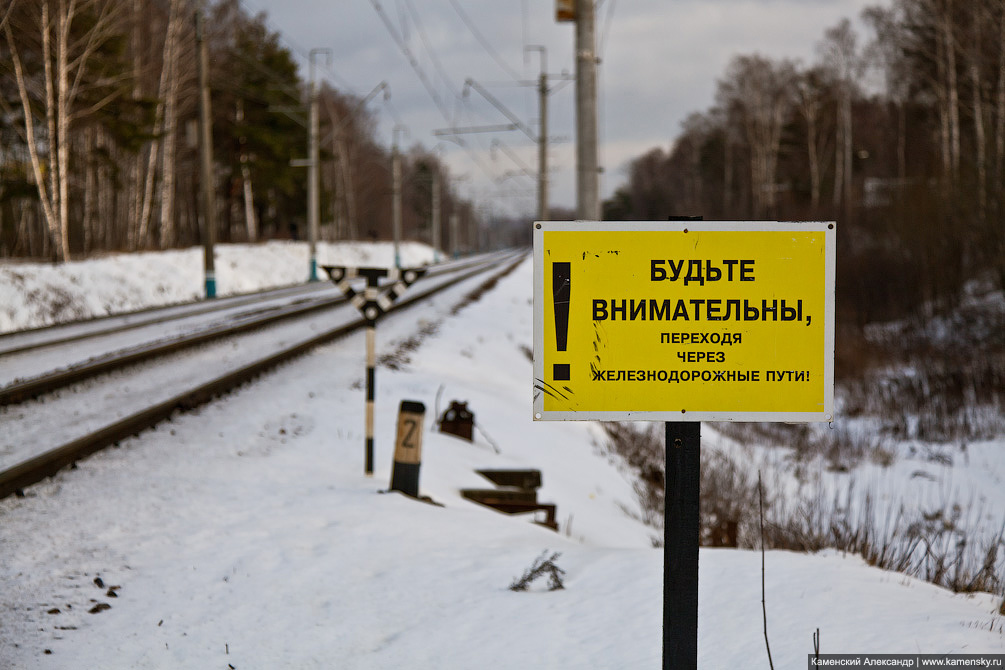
839, 50
250, 223
811, 100
649, 186
172, 89
1000, 104
887, 52
67, 52
759, 93
154, 149
947, 63
974, 56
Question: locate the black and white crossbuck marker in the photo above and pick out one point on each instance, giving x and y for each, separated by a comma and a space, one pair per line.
373, 302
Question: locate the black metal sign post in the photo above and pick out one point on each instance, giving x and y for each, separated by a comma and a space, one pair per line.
680, 545
681, 530
373, 302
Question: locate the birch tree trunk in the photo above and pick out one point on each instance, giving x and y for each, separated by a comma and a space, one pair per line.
90, 190
44, 189
170, 137
155, 144
848, 149
942, 96
759, 91
727, 175
953, 88
947, 94
1000, 120
840, 51
64, 73
809, 107
50, 118
838, 159
814, 160
249, 201
137, 171
901, 142
978, 113
63, 100
250, 226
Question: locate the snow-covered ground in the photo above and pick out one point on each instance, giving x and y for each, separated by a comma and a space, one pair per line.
246, 535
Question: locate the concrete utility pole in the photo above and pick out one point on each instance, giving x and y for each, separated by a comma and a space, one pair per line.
314, 169
587, 168
455, 227
542, 141
542, 148
473, 237
436, 212
396, 195
206, 153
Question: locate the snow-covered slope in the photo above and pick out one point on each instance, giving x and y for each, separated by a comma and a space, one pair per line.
246, 535
34, 295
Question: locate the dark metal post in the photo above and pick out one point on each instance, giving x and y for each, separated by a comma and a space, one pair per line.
680, 545
681, 533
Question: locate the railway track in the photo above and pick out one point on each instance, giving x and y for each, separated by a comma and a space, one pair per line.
139, 387
48, 336
78, 351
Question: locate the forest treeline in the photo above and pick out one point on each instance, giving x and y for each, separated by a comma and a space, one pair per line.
899, 135
98, 151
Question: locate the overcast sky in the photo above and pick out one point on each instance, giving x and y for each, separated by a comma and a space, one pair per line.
660, 62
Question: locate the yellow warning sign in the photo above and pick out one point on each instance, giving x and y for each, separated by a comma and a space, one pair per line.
684, 321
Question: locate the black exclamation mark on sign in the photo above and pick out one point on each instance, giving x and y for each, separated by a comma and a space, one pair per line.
561, 282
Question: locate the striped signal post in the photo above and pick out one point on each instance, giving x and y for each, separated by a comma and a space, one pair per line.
371, 390
373, 302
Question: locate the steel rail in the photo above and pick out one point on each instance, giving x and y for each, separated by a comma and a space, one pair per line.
31, 388
174, 312
27, 389
144, 317
14, 479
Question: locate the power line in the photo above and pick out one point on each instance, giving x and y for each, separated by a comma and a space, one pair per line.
416, 67
303, 51
606, 28
427, 84
397, 36
437, 65
484, 42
